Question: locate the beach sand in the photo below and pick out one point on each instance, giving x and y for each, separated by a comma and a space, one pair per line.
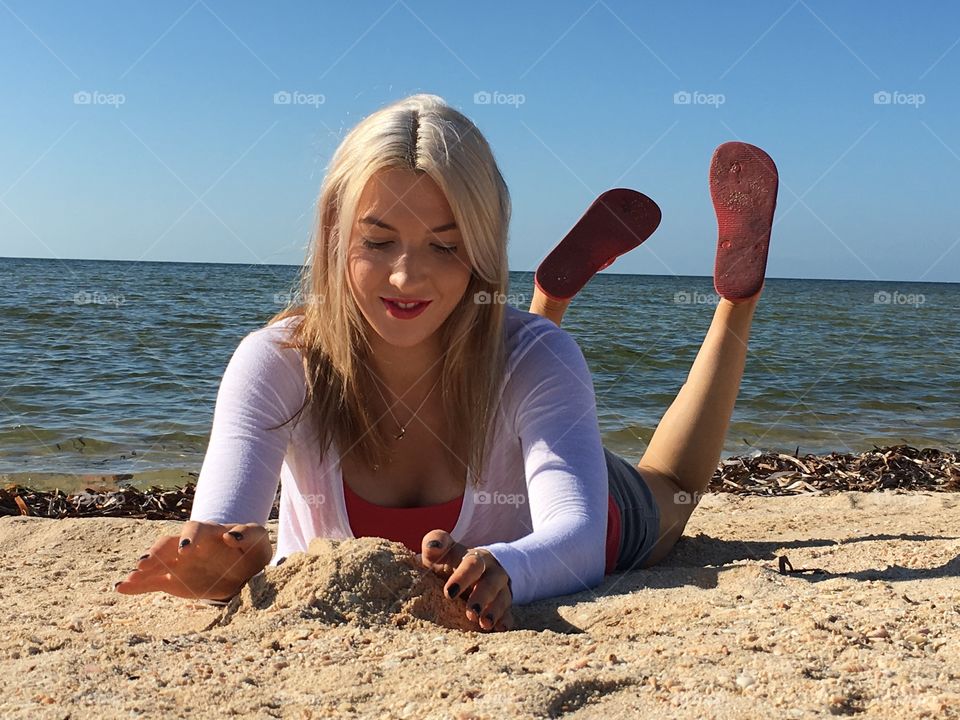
355, 629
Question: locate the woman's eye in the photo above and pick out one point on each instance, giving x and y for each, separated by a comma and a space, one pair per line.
442, 249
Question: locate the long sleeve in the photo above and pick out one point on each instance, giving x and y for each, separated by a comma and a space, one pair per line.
262, 386
552, 398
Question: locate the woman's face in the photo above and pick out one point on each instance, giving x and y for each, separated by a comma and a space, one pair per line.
405, 246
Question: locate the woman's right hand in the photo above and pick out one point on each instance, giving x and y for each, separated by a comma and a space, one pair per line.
206, 561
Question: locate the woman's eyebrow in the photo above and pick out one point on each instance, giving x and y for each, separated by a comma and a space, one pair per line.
371, 220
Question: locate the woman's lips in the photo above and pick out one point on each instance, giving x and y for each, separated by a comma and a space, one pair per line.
405, 313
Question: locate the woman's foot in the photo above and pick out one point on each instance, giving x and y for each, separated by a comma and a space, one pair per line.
615, 223
743, 185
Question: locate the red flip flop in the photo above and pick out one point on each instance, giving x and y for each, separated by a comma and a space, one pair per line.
615, 223
743, 185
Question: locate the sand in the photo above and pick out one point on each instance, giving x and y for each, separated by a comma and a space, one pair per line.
356, 629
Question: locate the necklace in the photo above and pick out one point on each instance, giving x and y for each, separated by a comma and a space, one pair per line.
403, 428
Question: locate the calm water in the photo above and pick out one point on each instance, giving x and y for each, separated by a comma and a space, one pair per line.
112, 368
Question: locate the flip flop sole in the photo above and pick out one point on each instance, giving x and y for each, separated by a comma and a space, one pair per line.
743, 186
615, 223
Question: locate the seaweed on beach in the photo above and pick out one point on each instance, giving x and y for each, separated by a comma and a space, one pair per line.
899, 467
156, 503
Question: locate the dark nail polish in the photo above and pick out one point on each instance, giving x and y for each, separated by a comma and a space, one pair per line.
236, 536
144, 557
489, 617
476, 608
281, 561
453, 590
434, 544
184, 542
117, 583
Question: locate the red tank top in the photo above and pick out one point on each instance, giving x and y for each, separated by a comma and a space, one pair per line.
409, 525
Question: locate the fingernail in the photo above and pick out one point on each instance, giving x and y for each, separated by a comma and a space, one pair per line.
476, 608
235, 535
116, 584
453, 590
281, 561
144, 557
184, 542
489, 617
434, 544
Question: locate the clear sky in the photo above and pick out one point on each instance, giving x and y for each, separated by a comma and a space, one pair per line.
175, 148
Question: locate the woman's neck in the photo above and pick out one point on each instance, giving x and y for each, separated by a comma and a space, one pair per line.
408, 372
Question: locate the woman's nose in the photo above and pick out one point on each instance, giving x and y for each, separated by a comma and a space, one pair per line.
408, 269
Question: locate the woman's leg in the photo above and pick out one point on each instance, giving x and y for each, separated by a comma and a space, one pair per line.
547, 307
685, 448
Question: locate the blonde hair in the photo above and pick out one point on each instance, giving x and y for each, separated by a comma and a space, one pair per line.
423, 134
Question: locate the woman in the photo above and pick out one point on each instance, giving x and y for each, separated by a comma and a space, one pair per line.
404, 399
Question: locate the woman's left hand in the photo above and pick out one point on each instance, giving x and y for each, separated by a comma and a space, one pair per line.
474, 574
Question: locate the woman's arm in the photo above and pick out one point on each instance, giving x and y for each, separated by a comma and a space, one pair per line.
224, 543
551, 397
262, 386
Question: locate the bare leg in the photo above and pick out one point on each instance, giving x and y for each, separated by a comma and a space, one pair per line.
547, 306
685, 448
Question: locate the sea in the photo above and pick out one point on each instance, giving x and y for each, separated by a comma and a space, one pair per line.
109, 370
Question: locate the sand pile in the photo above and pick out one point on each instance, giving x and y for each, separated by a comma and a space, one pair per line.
366, 581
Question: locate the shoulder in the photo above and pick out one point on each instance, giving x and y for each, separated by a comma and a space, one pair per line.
534, 337
263, 350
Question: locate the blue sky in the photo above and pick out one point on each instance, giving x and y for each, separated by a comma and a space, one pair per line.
182, 153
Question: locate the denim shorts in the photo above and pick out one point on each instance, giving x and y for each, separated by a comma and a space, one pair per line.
639, 514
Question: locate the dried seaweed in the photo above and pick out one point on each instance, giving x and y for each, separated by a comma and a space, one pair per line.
156, 503
900, 467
